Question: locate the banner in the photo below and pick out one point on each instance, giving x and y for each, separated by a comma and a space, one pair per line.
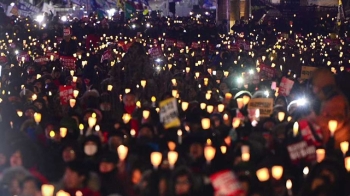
265, 106
226, 183
306, 72
66, 93
68, 62
266, 72
301, 150
156, 52
169, 114
26, 8
41, 60
327, 3
48, 7
285, 86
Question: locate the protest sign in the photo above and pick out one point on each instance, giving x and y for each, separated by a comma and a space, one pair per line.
265, 106
180, 44
301, 150
226, 183
169, 114
41, 60
27, 9
266, 72
169, 42
285, 86
24, 57
68, 62
156, 52
52, 56
306, 72
48, 8
66, 93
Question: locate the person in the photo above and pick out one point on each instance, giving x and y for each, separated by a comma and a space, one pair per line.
30, 186
182, 183
68, 46
110, 183
75, 178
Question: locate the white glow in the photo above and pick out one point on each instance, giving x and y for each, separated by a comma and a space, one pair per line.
239, 80
111, 12
133, 26
251, 72
148, 25
12, 4
64, 18
266, 93
158, 60
39, 18
301, 102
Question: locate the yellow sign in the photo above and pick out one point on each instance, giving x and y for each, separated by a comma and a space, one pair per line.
265, 106
169, 114
306, 72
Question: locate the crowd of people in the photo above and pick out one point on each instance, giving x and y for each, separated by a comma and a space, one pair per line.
178, 106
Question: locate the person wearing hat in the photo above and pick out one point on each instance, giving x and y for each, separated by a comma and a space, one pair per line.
110, 183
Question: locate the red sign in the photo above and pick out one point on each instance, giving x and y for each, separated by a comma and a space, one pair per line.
266, 72
180, 44
194, 45
107, 55
66, 93
23, 57
3, 59
169, 42
285, 86
66, 31
41, 60
68, 62
55, 55
226, 183
156, 52
301, 151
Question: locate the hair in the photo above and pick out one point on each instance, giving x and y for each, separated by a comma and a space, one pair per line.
37, 183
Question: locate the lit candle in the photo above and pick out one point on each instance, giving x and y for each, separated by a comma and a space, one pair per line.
221, 107
172, 158
122, 152
63, 132
344, 147
295, 129
320, 155
245, 153
143, 83
240, 103
37, 118
92, 121
81, 128
277, 172
281, 116
109, 87
72, 102
75, 78
263, 174
223, 149
156, 159
210, 109
145, 114
184, 105
179, 136
205, 123
289, 187
62, 193
209, 153
75, 93
332, 126
47, 190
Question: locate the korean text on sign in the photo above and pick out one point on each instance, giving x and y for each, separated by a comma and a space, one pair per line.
169, 114
265, 106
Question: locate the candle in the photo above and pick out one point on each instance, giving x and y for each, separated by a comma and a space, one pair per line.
126, 118
221, 107
205, 123
34, 97
145, 114
246, 99
228, 96
320, 155
47, 190
306, 171
132, 132
210, 109
344, 147
75, 93
75, 78
332, 126
277, 172
347, 163
240, 103
295, 129
236, 122
184, 105
122, 152
171, 146
209, 153
81, 128
143, 83
223, 149
263, 174
179, 136
174, 93
281, 116
37, 118
245, 153
156, 159
62, 193
72, 102
63, 132
71, 72
203, 105
289, 187
172, 158
92, 121
19, 113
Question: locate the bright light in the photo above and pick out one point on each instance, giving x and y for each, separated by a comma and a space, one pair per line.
206, 13
39, 18
12, 4
301, 102
16, 52
266, 93
239, 80
64, 18
111, 12
251, 72
158, 68
158, 60
191, 13
148, 25
133, 26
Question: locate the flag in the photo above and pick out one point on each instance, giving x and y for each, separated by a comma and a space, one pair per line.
129, 9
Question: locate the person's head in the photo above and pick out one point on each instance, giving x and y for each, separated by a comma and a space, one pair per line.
129, 99
322, 81
75, 175
30, 186
16, 159
108, 162
196, 150
183, 181
91, 145
146, 131
115, 140
69, 154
